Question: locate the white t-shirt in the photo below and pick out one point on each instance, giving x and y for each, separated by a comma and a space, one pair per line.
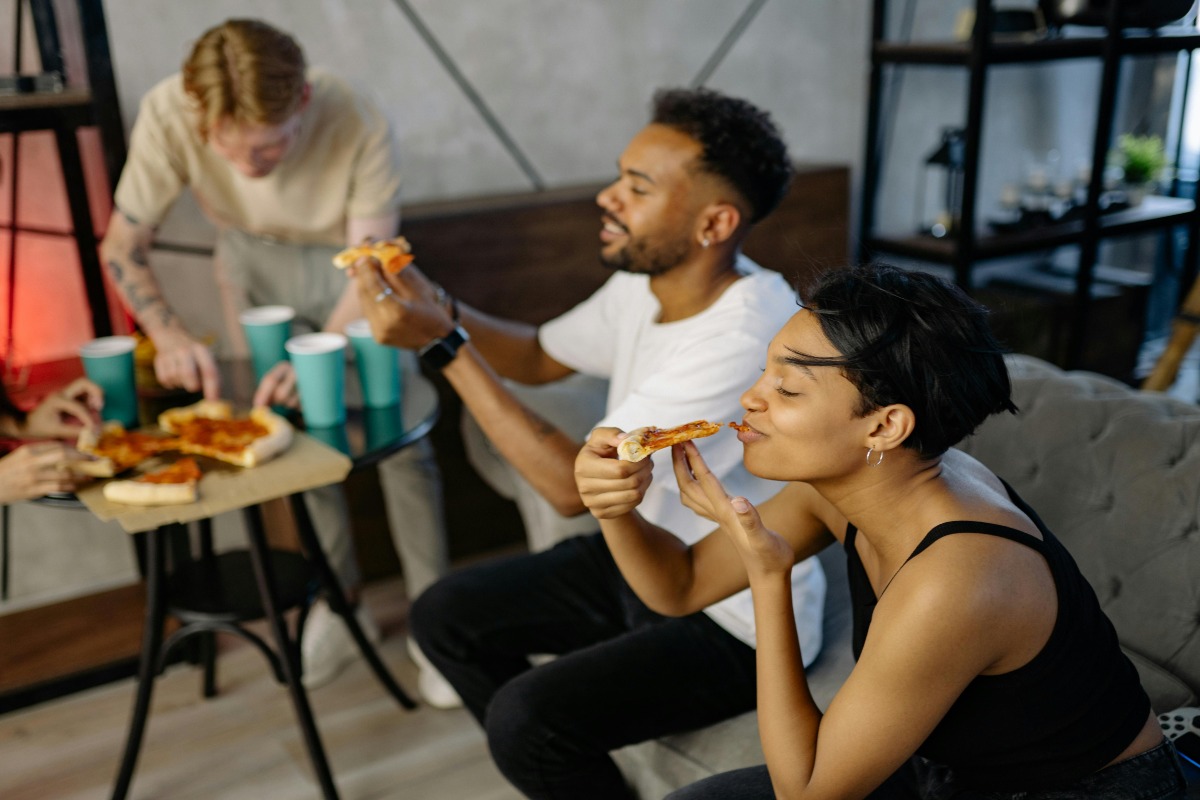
666, 374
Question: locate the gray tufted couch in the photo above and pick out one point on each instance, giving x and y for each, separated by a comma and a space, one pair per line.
1115, 473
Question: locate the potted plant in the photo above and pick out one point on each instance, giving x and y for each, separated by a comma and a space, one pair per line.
1142, 159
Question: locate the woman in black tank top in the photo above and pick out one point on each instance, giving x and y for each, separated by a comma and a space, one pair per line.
985, 666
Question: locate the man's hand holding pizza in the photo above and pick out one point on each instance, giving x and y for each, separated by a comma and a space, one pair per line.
404, 310
609, 486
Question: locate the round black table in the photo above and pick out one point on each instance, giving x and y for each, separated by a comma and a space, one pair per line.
218, 592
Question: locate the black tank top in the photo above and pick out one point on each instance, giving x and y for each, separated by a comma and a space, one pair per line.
1066, 714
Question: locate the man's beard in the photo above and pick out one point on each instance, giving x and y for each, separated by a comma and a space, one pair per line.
640, 258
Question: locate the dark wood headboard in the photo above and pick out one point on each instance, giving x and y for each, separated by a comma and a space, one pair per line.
532, 256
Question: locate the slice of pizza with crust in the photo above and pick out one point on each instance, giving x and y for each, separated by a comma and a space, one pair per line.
640, 443
392, 254
173, 484
209, 428
116, 449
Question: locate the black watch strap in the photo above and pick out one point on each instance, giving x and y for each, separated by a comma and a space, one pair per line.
440, 352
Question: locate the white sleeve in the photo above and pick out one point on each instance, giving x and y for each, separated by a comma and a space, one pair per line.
701, 378
575, 339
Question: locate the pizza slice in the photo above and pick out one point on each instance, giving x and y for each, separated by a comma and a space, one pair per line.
209, 428
392, 254
170, 485
116, 449
640, 443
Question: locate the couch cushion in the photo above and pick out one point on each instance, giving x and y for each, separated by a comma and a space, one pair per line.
1115, 474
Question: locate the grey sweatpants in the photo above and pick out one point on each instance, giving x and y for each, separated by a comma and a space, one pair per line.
252, 271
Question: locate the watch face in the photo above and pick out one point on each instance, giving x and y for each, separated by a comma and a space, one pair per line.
440, 352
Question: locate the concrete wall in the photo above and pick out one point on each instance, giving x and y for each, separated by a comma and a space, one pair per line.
567, 82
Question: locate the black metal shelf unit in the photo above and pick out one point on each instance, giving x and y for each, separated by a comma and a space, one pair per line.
966, 247
64, 112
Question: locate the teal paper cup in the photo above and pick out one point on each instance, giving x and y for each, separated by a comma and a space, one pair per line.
320, 363
267, 329
378, 366
108, 362
384, 426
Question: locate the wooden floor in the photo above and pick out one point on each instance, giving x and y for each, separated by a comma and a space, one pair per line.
245, 743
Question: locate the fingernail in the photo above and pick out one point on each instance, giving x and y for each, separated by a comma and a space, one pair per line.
740, 505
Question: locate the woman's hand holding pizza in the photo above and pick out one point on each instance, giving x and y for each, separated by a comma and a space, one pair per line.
35, 470
278, 387
609, 487
63, 414
403, 309
763, 551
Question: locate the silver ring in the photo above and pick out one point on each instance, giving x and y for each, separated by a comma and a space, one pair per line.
387, 292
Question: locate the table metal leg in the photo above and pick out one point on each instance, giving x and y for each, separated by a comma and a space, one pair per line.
337, 601
151, 641
4, 565
289, 652
208, 641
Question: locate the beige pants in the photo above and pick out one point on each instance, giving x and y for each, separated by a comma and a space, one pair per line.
253, 271
574, 405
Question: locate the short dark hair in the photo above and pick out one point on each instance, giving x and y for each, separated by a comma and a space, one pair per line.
913, 338
740, 143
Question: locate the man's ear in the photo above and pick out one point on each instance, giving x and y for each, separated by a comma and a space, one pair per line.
718, 223
892, 425
305, 96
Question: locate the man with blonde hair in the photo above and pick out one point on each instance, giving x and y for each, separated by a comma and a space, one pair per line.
291, 165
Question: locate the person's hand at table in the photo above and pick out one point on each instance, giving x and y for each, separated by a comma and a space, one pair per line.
35, 470
63, 414
278, 387
182, 361
405, 309
610, 487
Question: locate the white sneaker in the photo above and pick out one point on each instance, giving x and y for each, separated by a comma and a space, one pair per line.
434, 689
327, 646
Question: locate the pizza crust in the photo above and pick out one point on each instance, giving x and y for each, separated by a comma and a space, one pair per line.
392, 254
277, 438
140, 493
642, 442
89, 438
171, 419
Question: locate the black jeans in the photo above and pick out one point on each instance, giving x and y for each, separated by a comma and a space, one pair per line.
1153, 775
624, 673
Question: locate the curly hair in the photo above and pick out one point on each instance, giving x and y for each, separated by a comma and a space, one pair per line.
912, 338
247, 71
740, 143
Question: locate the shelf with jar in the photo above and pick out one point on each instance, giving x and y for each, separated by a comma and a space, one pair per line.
1040, 212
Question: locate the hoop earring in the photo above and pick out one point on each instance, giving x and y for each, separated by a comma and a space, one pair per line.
877, 461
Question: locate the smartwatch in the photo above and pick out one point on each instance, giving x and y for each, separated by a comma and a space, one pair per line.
440, 352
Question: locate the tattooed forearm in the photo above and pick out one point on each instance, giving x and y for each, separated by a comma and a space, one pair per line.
541, 428
136, 282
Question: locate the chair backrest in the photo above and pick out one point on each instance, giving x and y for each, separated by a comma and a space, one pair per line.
1115, 474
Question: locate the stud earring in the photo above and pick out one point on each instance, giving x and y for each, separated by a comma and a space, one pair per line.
705, 242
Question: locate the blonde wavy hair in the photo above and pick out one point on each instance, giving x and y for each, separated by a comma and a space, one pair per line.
246, 71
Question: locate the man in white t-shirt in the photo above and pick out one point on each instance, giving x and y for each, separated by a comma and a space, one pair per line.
680, 331
291, 165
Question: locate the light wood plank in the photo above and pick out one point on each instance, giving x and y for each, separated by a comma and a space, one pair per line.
245, 742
